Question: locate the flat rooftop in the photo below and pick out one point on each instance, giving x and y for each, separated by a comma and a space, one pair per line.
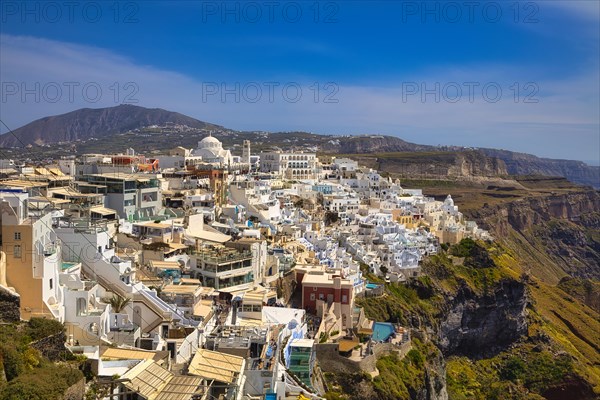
322, 279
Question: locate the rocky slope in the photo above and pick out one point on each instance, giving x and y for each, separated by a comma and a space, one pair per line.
560, 232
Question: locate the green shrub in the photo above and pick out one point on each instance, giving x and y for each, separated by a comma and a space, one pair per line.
39, 328
12, 360
323, 337
513, 369
463, 249
46, 383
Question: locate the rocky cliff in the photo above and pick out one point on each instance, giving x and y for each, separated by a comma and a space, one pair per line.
559, 231
480, 326
501, 332
435, 165
527, 164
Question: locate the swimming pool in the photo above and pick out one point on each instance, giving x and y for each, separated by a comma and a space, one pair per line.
67, 265
371, 286
382, 331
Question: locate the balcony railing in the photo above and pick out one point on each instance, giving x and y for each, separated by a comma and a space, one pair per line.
222, 259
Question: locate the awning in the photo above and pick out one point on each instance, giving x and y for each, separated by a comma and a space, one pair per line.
103, 210
253, 298
206, 235
177, 246
347, 345
164, 264
203, 308
214, 365
154, 225
249, 323
56, 171
220, 225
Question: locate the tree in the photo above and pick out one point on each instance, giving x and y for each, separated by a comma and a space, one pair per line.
156, 246
118, 303
331, 217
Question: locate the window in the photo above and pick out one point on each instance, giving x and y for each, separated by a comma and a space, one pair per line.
321, 296
312, 297
17, 235
17, 251
50, 283
344, 299
314, 289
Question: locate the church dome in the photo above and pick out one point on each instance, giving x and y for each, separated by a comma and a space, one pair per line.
209, 142
449, 201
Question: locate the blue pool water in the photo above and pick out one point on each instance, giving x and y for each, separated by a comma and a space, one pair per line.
382, 331
67, 265
371, 286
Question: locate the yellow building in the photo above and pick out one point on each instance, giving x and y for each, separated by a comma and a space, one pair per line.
33, 258
404, 219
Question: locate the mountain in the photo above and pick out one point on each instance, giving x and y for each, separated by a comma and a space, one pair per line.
97, 123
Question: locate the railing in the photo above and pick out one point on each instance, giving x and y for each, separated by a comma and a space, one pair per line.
51, 249
232, 257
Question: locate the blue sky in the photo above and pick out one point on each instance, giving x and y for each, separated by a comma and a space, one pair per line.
521, 76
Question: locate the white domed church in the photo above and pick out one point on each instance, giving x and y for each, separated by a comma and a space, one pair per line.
211, 150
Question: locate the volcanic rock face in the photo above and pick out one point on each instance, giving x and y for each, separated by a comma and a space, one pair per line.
435, 380
481, 326
562, 224
528, 164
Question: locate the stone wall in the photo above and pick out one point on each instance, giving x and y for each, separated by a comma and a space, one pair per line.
52, 347
76, 391
287, 285
10, 302
331, 361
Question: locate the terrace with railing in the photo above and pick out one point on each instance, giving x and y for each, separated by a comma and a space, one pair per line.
221, 255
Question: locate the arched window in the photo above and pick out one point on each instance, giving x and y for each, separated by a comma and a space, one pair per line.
81, 306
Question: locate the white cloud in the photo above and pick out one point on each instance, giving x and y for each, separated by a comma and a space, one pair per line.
564, 123
586, 9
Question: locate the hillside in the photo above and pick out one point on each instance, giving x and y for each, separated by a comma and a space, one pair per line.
371, 144
96, 123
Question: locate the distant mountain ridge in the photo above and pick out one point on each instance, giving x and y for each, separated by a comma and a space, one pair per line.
104, 123
372, 144
97, 123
